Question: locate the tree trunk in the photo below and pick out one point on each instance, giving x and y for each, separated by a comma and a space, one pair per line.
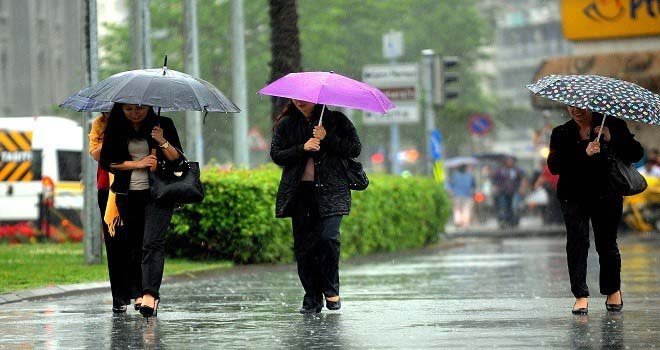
284, 44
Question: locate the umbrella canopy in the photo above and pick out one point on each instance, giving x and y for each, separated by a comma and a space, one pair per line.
80, 103
605, 95
329, 88
165, 88
455, 162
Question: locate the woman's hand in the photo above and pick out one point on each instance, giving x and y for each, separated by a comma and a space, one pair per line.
319, 132
157, 135
593, 147
312, 145
149, 161
606, 133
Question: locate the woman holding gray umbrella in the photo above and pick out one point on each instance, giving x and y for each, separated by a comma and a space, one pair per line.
135, 139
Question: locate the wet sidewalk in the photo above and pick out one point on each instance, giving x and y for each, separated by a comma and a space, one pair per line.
504, 293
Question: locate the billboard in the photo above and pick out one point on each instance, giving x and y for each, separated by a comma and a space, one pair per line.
602, 19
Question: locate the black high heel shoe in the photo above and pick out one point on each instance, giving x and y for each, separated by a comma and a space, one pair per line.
148, 311
137, 306
615, 307
333, 305
580, 311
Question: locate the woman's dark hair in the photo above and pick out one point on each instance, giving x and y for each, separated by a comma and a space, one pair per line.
120, 126
291, 109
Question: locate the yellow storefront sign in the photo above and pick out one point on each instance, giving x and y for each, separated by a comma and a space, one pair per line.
601, 19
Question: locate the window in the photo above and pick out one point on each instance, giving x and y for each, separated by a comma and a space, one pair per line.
35, 165
69, 166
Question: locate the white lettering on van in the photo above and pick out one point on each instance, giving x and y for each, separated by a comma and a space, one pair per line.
6, 157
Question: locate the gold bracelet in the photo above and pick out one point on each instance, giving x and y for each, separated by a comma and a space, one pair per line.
164, 145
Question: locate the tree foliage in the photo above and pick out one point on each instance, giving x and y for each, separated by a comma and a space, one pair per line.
339, 35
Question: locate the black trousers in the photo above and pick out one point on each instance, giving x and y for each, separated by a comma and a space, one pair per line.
123, 259
316, 246
605, 215
146, 219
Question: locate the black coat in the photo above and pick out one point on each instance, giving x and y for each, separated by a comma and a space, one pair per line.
331, 183
582, 176
115, 147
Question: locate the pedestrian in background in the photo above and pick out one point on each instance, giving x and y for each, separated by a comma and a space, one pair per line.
314, 192
461, 186
135, 139
116, 244
507, 181
581, 162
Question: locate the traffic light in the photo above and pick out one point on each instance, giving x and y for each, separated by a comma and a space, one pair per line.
443, 75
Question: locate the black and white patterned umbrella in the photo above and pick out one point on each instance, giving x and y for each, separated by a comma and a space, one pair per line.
609, 96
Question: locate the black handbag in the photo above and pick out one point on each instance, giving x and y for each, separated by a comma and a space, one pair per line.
357, 178
178, 184
624, 178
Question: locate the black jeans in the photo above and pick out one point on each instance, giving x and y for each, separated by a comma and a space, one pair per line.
123, 259
316, 246
605, 215
146, 219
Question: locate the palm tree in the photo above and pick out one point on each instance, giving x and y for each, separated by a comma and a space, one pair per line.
284, 44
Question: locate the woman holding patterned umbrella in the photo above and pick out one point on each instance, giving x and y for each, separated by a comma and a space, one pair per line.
581, 153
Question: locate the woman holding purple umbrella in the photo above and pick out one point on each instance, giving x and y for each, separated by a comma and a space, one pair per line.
581, 161
314, 192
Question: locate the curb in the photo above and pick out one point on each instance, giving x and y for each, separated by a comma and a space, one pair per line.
545, 231
93, 287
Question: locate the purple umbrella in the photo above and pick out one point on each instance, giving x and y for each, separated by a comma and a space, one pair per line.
329, 88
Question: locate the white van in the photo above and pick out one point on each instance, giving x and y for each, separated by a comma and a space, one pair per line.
31, 149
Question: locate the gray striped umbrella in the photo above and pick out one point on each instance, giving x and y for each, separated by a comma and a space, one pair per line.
609, 96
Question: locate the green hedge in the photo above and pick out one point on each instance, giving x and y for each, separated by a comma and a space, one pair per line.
237, 220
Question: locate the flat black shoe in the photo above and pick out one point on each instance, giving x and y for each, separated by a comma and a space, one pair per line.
311, 306
614, 307
333, 305
119, 309
580, 311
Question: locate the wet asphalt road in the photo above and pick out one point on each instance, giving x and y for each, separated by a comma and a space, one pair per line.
510, 293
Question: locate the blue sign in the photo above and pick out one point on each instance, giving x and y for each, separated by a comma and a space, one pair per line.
436, 145
480, 124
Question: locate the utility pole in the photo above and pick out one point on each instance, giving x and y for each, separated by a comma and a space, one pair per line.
141, 35
194, 132
239, 86
90, 213
428, 58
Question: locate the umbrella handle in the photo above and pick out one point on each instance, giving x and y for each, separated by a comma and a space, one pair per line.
600, 131
321, 118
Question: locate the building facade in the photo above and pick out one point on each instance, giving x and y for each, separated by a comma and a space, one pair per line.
41, 59
526, 33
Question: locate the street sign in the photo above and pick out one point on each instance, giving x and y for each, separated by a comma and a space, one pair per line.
399, 83
393, 45
436, 145
479, 124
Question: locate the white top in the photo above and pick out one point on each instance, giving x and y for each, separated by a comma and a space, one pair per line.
138, 149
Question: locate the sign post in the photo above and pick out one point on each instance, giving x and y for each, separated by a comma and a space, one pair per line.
399, 83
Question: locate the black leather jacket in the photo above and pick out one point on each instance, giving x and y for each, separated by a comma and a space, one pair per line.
331, 183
